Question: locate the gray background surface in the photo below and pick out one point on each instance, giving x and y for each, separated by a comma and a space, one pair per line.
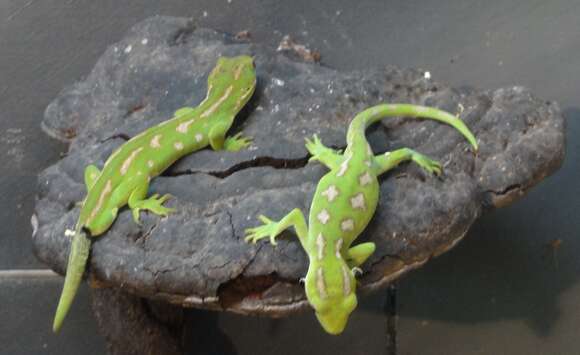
504, 290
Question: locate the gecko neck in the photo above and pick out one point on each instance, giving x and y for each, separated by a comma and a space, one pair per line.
224, 103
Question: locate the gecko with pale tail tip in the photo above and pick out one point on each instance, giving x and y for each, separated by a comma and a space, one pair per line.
126, 175
344, 202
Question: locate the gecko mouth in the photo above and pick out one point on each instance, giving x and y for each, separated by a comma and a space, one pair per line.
332, 323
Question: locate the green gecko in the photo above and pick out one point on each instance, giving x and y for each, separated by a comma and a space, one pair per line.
344, 202
126, 174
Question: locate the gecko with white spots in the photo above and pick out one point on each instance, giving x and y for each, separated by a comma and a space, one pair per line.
126, 174
343, 204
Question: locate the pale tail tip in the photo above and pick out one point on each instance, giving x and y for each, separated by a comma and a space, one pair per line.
55, 328
57, 324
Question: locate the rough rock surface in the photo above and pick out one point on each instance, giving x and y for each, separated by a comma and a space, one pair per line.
197, 256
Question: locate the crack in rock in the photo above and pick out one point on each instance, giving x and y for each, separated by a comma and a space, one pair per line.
275, 163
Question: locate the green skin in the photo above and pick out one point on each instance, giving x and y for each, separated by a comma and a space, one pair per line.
126, 174
344, 202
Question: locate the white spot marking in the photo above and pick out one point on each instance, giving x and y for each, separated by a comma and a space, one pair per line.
331, 193
320, 284
101, 200
178, 145
358, 202
128, 49
151, 163
198, 137
427, 75
347, 225
323, 216
155, 141
217, 104
184, 126
238, 71
127, 163
338, 248
365, 179
69, 233
343, 166
144, 41
320, 244
346, 287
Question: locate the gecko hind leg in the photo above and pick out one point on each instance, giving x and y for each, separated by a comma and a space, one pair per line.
390, 160
271, 229
154, 203
327, 156
91, 175
358, 254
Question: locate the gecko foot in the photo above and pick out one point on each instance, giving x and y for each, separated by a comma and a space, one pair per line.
237, 142
153, 204
270, 229
317, 149
432, 166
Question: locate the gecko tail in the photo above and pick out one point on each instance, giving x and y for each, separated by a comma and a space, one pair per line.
79, 253
377, 113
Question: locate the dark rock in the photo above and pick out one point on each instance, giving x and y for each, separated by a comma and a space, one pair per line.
197, 256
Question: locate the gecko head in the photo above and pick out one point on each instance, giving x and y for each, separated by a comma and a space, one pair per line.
238, 72
331, 292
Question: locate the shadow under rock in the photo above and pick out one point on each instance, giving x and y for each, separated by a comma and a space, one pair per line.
202, 334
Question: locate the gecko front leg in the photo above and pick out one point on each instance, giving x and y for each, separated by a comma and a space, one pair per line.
218, 140
272, 229
390, 160
327, 156
154, 203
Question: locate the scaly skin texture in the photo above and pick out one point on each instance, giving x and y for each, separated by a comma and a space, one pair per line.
126, 174
344, 202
